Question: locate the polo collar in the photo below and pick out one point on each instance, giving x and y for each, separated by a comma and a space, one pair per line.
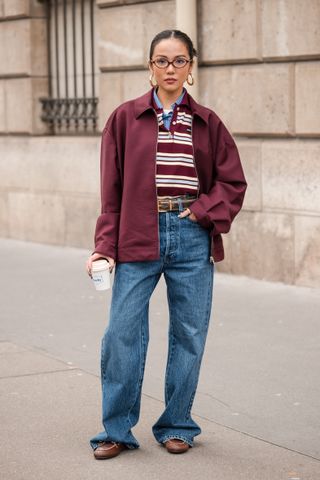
145, 102
180, 101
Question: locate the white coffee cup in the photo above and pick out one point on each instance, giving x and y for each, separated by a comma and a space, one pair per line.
101, 274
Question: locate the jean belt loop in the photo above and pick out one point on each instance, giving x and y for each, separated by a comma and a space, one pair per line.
180, 204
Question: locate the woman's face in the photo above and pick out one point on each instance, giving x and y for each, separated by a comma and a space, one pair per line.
170, 79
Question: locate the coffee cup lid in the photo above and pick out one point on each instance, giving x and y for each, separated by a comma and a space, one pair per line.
98, 265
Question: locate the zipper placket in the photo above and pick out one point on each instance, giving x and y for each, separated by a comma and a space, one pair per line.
155, 178
195, 167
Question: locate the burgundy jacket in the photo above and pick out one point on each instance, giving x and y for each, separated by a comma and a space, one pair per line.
127, 229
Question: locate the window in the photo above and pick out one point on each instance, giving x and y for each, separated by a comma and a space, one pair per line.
71, 106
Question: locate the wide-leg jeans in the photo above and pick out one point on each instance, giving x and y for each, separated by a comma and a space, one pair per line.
188, 272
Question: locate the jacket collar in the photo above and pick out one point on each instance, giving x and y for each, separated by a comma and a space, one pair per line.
144, 103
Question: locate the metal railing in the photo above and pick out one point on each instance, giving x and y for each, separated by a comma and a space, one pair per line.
71, 106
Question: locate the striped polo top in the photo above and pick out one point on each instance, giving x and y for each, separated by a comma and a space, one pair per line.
175, 170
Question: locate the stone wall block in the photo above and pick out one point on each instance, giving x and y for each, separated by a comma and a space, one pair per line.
135, 84
3, 126
63, 166
215, 91
14, 158
119, 25
51, 164
290, 28
251, 99
118, 87
4, 216
291, 175
307, 251
225, 37
19, 105
81, 214
226, 265
22, 8
39, 53
23, 109
37, 217
158, 16
110, 89
262, 246
308, 98
250, 155
37, 9
15, 47
16, 8
23, 47
261, 99
117, 29
3, 53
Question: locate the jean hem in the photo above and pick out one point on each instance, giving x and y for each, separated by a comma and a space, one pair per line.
130, 446
179, 437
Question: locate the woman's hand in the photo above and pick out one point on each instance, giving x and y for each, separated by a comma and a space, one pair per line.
94, 257
187, 212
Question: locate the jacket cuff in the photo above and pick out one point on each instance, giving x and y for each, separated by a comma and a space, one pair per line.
106, 249
202, 216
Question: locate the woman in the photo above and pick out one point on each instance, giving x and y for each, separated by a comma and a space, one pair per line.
171, 183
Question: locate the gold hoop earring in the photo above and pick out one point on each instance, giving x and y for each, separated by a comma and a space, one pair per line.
151, 81
190, 82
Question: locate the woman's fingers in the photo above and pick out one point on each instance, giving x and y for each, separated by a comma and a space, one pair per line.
111, 263
193, 217
185, 213
96, 256
89, 266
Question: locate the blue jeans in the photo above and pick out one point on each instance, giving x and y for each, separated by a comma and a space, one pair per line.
188, 272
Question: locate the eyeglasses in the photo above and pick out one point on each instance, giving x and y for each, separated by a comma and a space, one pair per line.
164, 62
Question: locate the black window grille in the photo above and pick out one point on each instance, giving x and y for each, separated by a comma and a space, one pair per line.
71, 106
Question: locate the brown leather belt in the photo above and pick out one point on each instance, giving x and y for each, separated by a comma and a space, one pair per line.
170, 204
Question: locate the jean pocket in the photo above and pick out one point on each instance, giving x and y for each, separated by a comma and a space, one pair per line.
195, 222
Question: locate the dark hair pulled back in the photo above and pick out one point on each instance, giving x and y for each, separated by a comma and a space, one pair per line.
183, 37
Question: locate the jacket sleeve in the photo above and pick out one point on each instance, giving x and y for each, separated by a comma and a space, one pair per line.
217, 208
107, 227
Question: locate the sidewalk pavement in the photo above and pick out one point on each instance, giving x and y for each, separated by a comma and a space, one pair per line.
258, 396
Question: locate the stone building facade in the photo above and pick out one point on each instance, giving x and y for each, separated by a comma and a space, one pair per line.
259, 70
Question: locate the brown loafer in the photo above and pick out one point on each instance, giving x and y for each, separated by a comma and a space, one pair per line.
108, 450
175, 445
